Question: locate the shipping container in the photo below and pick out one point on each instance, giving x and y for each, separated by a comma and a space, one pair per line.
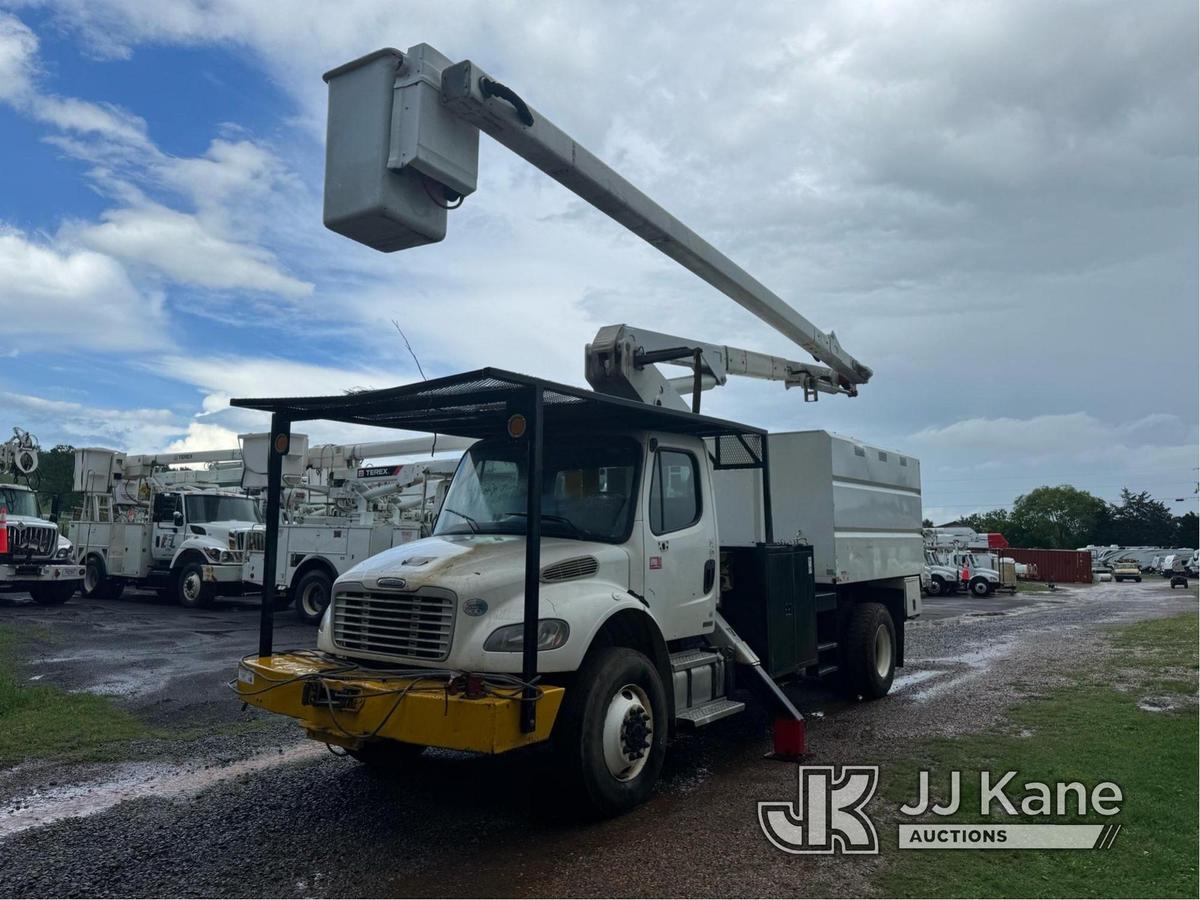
1062, 566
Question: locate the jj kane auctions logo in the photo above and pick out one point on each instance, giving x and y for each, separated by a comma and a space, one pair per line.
828, 815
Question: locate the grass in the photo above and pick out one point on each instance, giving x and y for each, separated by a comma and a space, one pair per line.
1092, 731
39, 721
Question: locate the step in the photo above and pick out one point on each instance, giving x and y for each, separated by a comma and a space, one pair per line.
692, 659
822, 671
827, 646
709, 712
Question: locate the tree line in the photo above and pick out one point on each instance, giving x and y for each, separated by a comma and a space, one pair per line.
1065, 517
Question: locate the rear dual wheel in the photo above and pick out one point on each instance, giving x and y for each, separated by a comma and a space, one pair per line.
96, 583
868, 651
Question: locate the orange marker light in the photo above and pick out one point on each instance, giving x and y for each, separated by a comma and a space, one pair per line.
516, 426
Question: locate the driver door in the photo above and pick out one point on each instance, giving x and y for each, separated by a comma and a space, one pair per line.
168, 525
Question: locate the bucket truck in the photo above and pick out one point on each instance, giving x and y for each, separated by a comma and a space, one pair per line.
609, 566
183, 532
34, 557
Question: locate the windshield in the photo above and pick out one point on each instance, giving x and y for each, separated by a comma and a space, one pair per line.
211, 508
588, 490
18, 503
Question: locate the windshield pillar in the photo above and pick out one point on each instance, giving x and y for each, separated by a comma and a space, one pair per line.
533, 558
281, 439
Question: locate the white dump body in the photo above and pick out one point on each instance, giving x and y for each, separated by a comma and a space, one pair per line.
859, 506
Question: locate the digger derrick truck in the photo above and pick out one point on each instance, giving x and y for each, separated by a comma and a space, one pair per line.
34, 557
578, 587
182, 532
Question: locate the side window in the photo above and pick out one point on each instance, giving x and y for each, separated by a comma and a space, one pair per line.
165, 506
674, 492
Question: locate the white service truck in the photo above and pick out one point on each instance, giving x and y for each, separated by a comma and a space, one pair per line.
34, 557
340, 510
579, 587
182, 532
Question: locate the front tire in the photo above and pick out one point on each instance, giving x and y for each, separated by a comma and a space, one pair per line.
191, 590
980, 587
53, 594
611, 734
313, 593
869, 651
937, 586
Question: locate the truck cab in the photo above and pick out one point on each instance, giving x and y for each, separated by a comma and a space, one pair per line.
34, 557
628, 525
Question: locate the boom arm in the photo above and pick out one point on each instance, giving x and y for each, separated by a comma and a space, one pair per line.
622, 360
427, 142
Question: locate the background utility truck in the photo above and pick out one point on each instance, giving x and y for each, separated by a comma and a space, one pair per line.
578, 587
34, 557
184, 533
338, 510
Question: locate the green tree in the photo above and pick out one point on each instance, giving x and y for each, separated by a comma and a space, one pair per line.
1187, 531
994, 520
1140, 520
1055, 517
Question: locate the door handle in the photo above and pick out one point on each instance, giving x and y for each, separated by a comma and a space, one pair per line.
710, 574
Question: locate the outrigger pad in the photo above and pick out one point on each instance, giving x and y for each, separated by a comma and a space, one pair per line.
791, 740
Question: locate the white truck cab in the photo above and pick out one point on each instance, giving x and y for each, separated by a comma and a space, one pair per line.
34, 557
136, 527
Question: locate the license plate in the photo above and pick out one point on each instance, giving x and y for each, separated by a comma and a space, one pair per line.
245, 676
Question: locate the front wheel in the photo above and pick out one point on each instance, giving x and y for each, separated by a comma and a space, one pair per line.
937, 586
55, 594
980, 587
869, 651
191, 590
611, 734
312, 596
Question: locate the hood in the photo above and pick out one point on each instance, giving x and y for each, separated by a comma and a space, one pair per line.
463, 560
29, 520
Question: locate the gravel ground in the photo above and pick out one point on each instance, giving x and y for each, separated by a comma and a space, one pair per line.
251, 810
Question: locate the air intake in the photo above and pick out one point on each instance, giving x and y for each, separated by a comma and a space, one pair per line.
578, 567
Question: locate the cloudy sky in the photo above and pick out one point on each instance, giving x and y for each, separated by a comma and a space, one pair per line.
994, 204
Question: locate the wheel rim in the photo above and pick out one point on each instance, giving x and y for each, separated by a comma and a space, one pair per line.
91, 578
883, 651
313, 599
628, 733
190, 587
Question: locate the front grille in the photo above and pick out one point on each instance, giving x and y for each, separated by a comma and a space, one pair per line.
32, 541
252, 541
415, 625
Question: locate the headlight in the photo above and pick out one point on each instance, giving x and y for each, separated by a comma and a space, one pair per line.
551, 634
213, 553
63, 552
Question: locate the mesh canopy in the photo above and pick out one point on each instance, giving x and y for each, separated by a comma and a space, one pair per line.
477, 405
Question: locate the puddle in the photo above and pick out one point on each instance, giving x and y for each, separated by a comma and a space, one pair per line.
976, 662
1158, 704
134, 781
900, 682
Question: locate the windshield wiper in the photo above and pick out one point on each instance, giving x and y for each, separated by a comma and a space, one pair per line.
474, 525
553, 518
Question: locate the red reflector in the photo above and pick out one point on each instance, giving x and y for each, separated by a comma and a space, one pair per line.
790, 737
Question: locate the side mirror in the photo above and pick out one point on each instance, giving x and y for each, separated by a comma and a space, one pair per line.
177, 519
55, 506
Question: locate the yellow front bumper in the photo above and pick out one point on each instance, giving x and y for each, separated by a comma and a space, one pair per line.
398, 709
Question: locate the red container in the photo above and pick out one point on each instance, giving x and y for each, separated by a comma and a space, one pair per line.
1061, 566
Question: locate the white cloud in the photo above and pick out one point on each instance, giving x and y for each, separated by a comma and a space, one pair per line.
177, 244
18, 51
61, 421
204, 436
57, 298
